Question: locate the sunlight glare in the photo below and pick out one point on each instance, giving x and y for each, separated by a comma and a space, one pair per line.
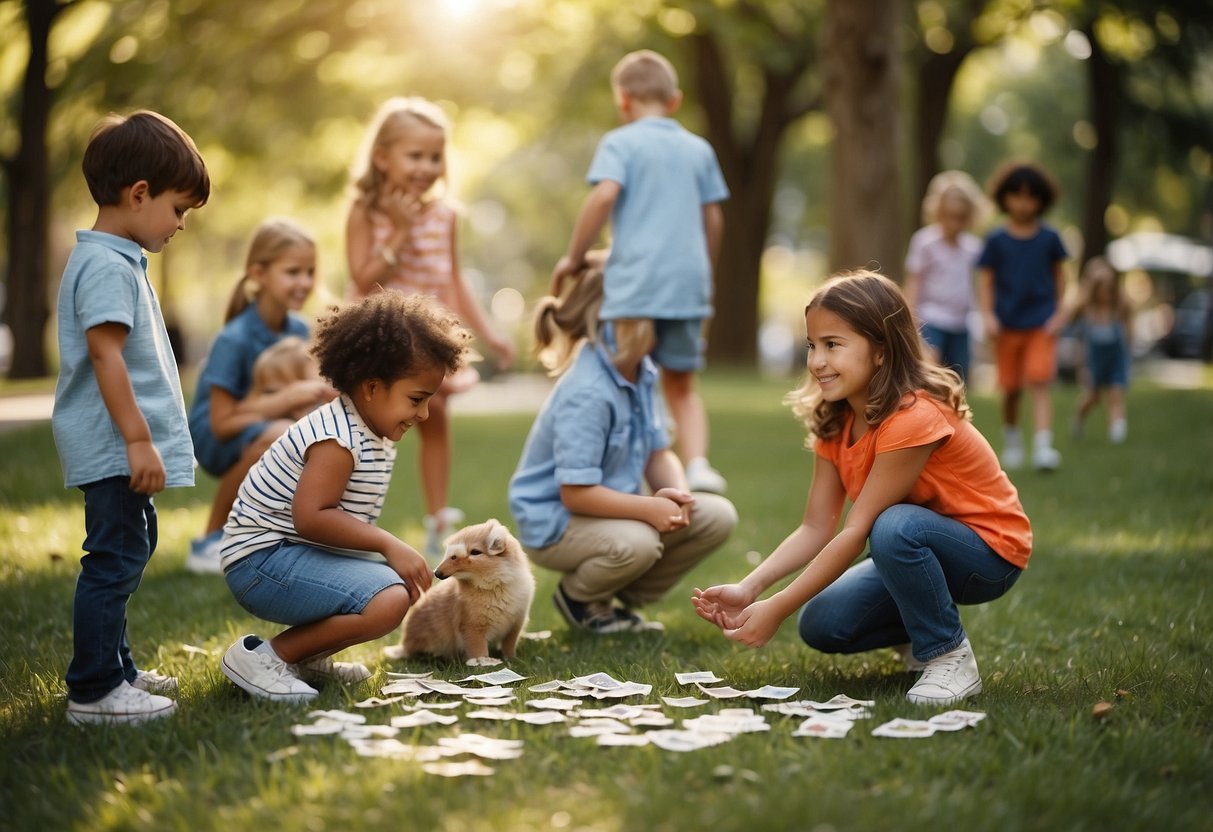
459, 8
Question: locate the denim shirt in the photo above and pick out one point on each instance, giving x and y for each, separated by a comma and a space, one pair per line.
596, 428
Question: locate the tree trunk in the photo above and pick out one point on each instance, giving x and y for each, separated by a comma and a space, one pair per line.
751, 169
1104, 91
28, 306
861, 63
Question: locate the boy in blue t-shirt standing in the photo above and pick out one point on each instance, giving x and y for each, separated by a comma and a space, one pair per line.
119, 418
661, 187
1020, 288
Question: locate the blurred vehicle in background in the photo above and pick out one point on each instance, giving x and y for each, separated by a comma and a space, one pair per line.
1190, 333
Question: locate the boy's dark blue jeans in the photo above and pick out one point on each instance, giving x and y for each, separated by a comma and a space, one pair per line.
120, 536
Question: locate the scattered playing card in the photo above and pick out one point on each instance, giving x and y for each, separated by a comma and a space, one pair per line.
473, 768
904, 729
498, 677
548, 687
598, 727
418, 718
192, 650
338, 716
831, 729
538, 635
404, 687
623, 739
366, 732
490, 702
673, 740
771, 692
393, 675
489, 748
319, 728
724, 692
553, 703
540, 717
376, 702
956, 720
695, 677
282, 753
841, 701
683, 701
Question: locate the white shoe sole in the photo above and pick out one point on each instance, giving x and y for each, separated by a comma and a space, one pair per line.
261, 693
99, 718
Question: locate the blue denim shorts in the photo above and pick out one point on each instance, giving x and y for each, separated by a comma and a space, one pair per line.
294, 583
680, 344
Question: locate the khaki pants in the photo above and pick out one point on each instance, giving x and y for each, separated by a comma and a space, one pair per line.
603, 558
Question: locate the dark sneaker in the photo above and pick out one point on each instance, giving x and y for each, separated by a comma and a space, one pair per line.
599, 617
636, 622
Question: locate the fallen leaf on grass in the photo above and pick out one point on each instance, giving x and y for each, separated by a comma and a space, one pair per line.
1102, 710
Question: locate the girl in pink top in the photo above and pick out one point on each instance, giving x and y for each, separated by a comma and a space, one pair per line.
943, 523
401, 235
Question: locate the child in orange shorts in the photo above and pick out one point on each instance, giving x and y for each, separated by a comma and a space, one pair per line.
1020, 291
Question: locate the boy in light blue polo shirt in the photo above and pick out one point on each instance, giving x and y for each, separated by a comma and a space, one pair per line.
119, 418
661, 187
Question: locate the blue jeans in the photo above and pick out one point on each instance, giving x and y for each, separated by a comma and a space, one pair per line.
921, 566
120, 536
953, 348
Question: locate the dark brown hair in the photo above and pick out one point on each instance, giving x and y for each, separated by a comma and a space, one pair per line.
388, 336
1014, 177
874, 307
143, 145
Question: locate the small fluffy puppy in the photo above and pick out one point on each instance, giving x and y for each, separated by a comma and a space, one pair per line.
485, 593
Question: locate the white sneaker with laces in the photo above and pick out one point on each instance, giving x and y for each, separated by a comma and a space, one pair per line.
438, 527
122, 705
155, 682
204, 557
262, 674
701, 476
323, 668
948, 678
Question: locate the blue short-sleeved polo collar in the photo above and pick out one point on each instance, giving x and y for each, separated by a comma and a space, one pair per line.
127, 248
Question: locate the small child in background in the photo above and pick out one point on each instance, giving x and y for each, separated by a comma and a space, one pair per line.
400, 235
230, 429
119, 417
661, 187
1104, 321
1020, 289
578, 494
891, 432
301, 546
278, 367
940, 267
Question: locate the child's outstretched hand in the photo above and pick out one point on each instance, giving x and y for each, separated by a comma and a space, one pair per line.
722, 605
755, 625
411, 567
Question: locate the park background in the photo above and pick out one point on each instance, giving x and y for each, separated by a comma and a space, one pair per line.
828, 117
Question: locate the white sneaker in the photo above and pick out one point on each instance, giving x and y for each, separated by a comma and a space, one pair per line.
122, 705
703, 477
263, 675
204, 557
906, 654
1012, 458
947, 678
1046, 458
323, 669
438, 527
155, 682
1118, 431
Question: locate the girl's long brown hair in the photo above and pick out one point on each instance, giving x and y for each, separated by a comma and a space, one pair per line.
874, 307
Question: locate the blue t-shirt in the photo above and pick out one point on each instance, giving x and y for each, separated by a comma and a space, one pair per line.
658, 266
596, 428
1025, 291
229, 364
105, 281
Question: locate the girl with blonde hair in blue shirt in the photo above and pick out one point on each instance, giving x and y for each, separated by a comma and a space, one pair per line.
579, 493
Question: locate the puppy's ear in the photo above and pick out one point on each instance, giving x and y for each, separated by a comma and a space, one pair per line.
495, 541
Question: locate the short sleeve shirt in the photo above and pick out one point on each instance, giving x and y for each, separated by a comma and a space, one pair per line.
105, 281
658, 266
945, 276
961, 480
596, 428
229, 364
262, 514
1025, 291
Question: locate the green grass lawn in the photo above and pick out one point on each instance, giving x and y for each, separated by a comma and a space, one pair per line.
1114, 607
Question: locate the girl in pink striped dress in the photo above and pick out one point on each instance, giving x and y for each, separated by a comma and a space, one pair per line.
401, 236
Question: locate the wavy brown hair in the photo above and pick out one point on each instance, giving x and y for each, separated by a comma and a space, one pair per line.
874, 307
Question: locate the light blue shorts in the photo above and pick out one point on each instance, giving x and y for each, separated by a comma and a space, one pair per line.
293, 583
